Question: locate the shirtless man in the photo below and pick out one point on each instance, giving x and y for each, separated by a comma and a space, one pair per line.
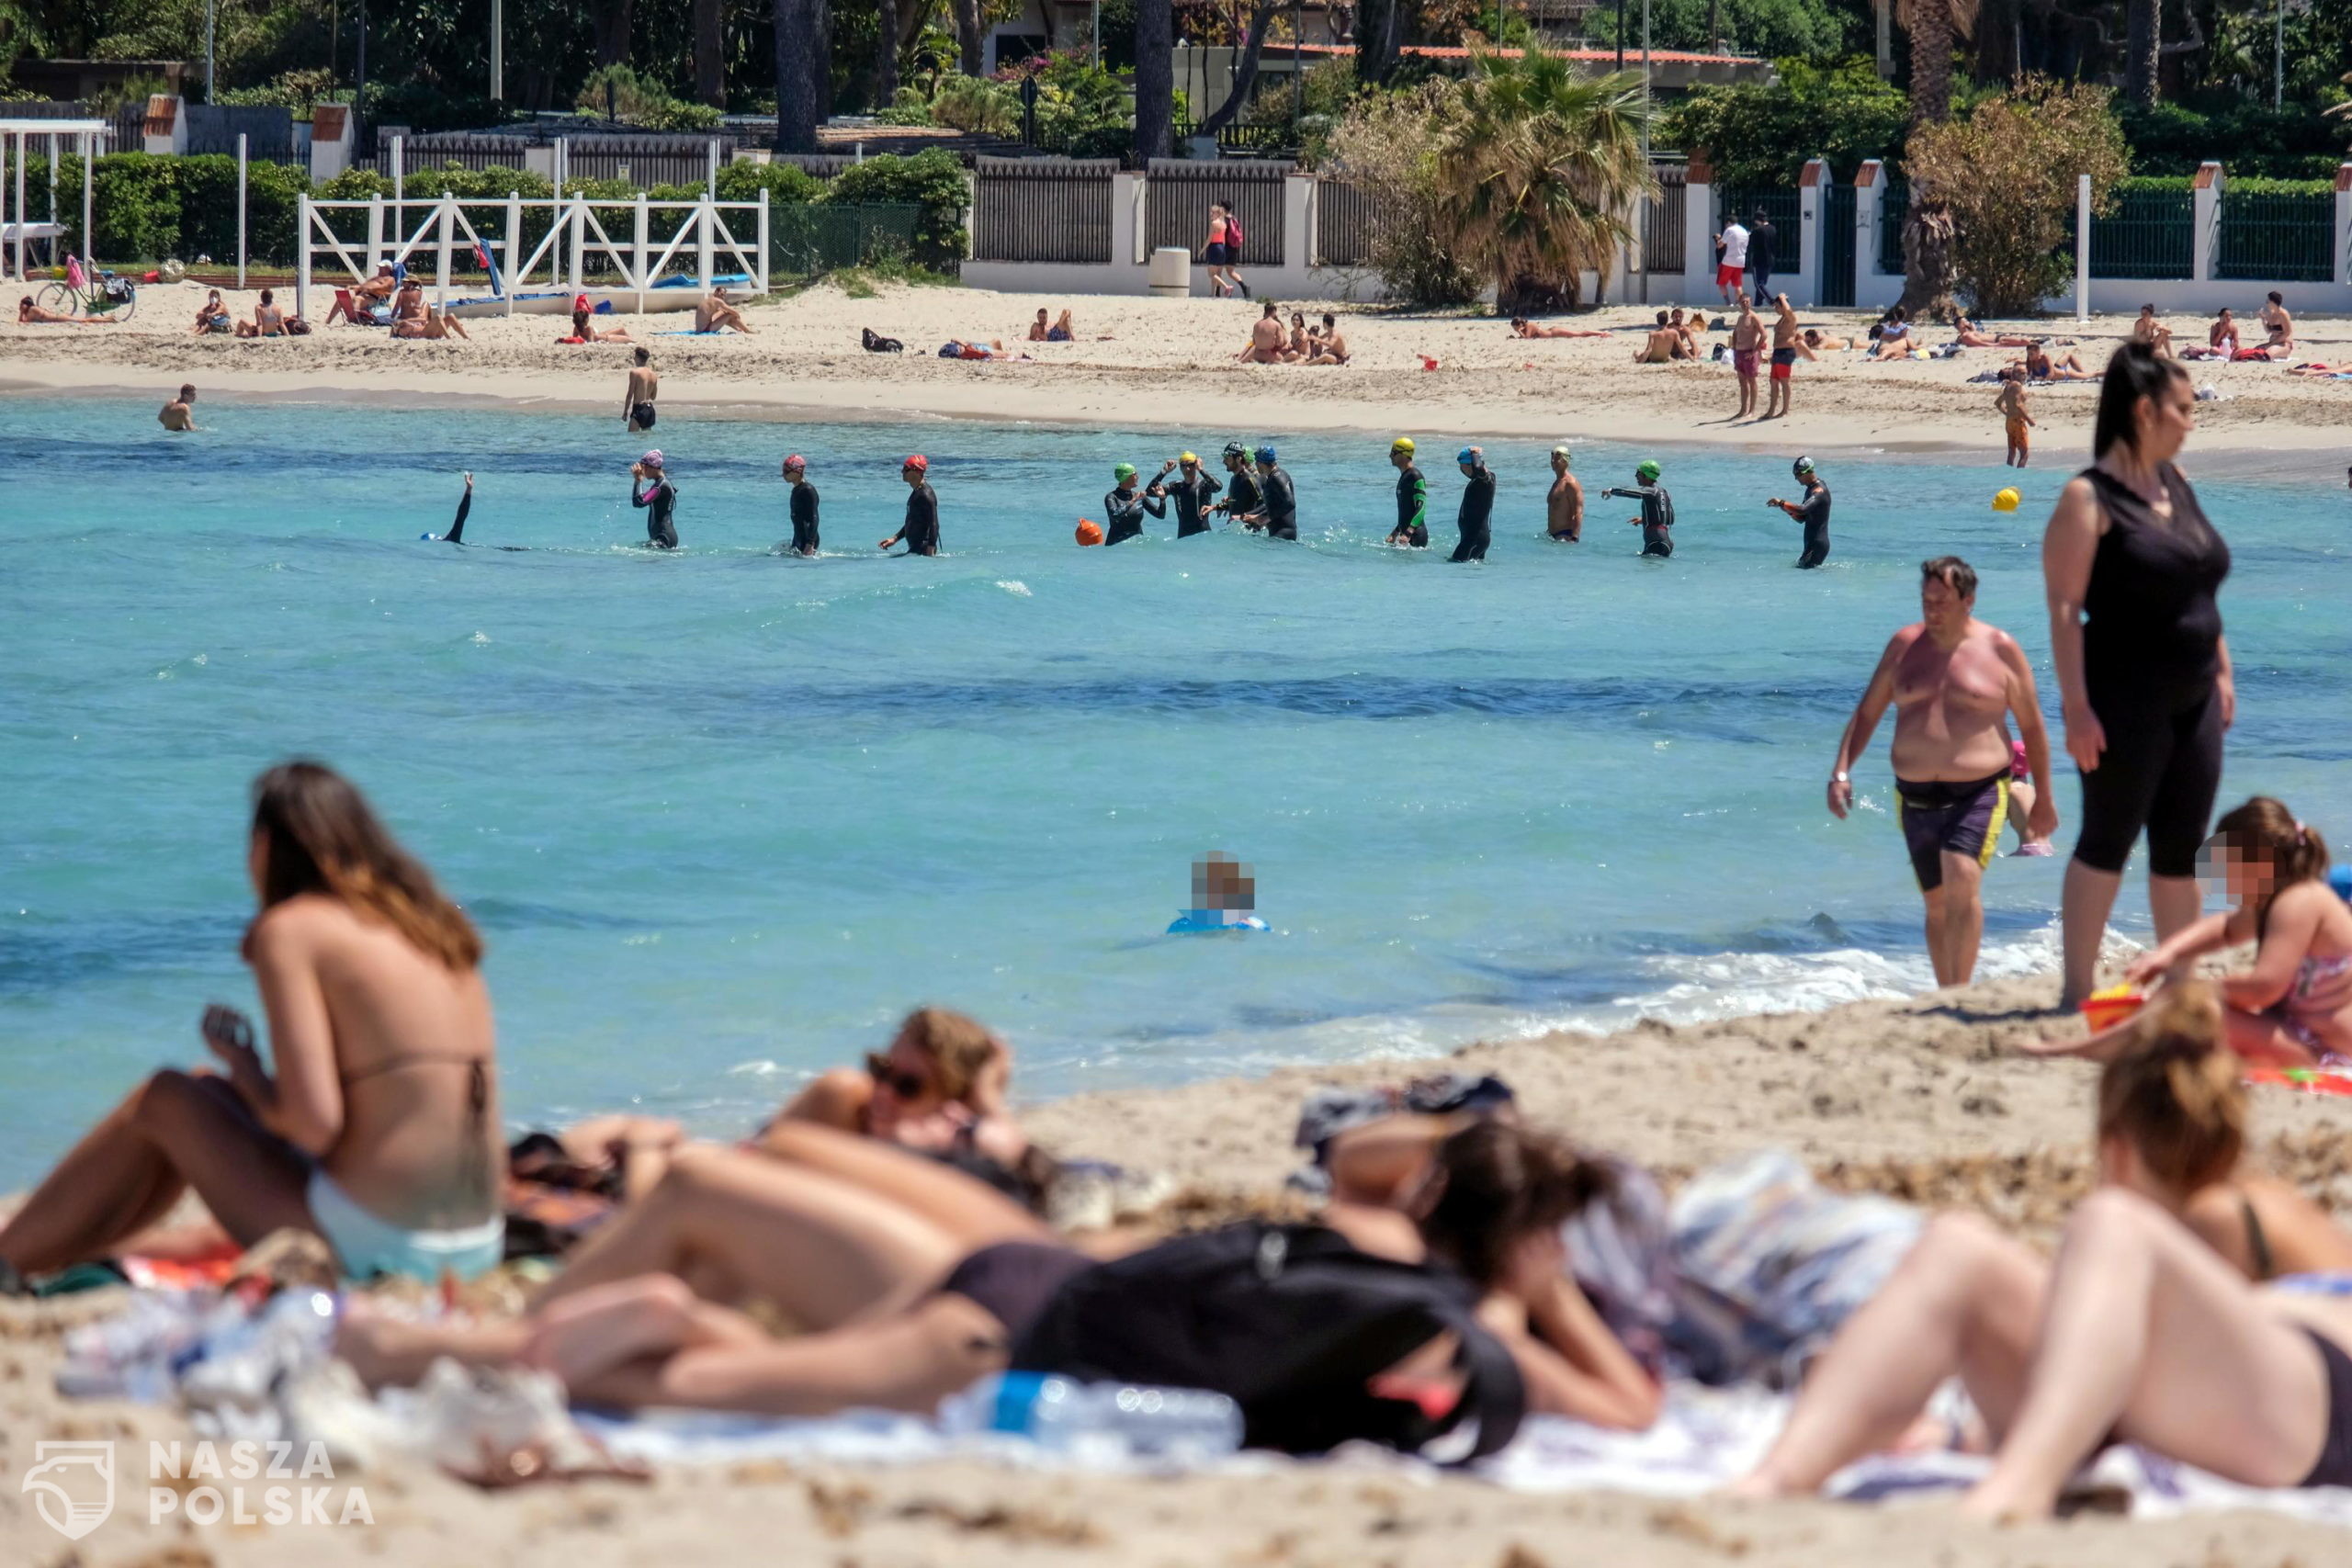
1687, 332
637, 400
1968, 334
180, 413
383, 286
1265, 339
1331, 349
1952, 678
2220, 339
1786, 346
715, 313
1564, 503
2274, 315
1663, 344
1746, 352
2152, 331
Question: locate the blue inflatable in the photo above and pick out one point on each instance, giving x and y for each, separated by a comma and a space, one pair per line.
2340, 878
1214, 920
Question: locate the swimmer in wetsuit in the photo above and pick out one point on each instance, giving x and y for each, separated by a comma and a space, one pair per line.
1656, 521
1412, 529
1125, 505
658, 501
456, 534
1277, 510
919, 532
1241, 496
1813, 511
804, 507
1190, 493
1476, 519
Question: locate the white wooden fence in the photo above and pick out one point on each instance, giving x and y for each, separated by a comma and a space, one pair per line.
445, 227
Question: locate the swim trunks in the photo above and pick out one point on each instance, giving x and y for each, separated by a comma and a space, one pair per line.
1743, 360
1784, 362
1940, 817
2016, 428
1727, 275
1014, 1281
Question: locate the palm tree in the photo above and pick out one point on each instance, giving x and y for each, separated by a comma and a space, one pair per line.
1543, 169
803, 80
1154, 80
1928, 276
2143, 47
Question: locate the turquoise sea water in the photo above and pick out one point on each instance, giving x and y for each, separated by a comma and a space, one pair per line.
725, 815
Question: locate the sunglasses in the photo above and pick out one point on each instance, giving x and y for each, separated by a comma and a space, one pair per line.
905, 1086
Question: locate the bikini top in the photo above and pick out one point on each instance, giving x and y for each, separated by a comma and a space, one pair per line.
2258, 1244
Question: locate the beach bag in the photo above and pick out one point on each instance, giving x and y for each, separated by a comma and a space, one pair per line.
1292, 1323
1233, 237
877, 344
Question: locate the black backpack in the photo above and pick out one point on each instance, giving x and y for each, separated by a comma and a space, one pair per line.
1292, 1323
877, 344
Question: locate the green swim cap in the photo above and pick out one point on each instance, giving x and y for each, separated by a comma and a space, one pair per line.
1649, 471
1124, 471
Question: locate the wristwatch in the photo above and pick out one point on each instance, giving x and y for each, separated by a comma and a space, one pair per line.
1841, 777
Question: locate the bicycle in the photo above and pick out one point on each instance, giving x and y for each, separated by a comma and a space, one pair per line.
102, 295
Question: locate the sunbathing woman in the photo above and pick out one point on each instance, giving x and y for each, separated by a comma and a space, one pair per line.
1521, 327
2141, 1331
910, 1282
1968, 334
2294, 1007
379, 1127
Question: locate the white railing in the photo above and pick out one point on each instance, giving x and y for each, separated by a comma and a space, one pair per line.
446, 226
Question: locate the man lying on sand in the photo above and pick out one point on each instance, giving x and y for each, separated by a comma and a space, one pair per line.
1968, 334
715, 313
2041, 365
1521, 327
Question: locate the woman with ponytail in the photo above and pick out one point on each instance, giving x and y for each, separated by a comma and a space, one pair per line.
374, 1122
2148, 1328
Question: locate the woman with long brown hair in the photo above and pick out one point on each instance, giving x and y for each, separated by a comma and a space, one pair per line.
375, 1125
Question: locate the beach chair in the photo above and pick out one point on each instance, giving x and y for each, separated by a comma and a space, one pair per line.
345, 308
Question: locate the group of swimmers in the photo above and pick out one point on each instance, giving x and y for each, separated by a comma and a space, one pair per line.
890, 1214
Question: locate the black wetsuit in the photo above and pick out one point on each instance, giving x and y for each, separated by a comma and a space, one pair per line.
456, 534
1192, 498
1814, 513
1125, 512
1281, 505
1242, 494
804, 519
2151, 636
1657, 516
1412, 509
658, 502
1477, 511
919, 533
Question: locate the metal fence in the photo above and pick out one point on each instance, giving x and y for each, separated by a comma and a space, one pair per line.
1785, 208
806, 238
1837, 202
1344, 218
1664, 219
2285, 236
1893, 211
1043, 209
1180, 192
130, 121
643, 161
268, 130
2151, 234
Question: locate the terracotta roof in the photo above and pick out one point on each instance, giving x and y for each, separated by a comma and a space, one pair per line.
1455, 51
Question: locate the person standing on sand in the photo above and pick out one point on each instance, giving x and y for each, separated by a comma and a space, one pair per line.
1564, 503
1475, 520
1762, 241
1746, 354
657, 500
636, 399
1731, 261
1813, 511
920, 530
1952, 678
180, 413
1786, 349
2016, 421
1190, 493
1412, 530
804, 507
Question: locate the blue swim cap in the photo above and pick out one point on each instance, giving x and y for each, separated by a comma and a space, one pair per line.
1467, 455
1265, 454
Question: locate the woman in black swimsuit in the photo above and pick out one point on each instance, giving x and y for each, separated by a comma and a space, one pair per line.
2138, 1332
2130, 567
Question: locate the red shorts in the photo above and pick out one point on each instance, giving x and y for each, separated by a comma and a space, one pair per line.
1743, 360
1783, 369
1727, 275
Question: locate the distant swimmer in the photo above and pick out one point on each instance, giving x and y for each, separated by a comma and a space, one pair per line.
644, 386
1277, 509
1813, 511
1412, 530
1656, 521
1191, 491
1241, 487
919, 532
456, 534
804, 507
180, 413
1225, 897
657, 500
1125, 506
1475, 520
1564, 503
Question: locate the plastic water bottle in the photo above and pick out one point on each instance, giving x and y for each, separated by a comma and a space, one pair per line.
1070, 1418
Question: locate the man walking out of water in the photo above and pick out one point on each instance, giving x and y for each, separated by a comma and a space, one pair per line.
804, 505
2015, 421
1952, 678
1746, 352
657, 500
1476, 517
1786, 349
1412, 528
180, 413
1813, 511
1656, 520
1564, 503
1731, 261
920, 530
644, 386
1190, 493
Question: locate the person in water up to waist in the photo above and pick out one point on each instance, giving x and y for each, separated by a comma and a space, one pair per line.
1412, 498
920, 530
1127, 503
1813, 511
1277, 509
1225, 897
1656, 521
1241, 486
1191, 492
804, 507
1477, 510
658, 498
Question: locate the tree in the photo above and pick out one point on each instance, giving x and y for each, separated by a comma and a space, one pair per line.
1545, 166
710, 52
611, 25
1928, 231
1377, 40
972, 34
1245, 75
885, 56
1154, 80
2142, 49
1389, 147
803, 79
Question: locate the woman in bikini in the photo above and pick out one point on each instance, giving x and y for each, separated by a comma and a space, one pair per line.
2141, 1331
375, 1124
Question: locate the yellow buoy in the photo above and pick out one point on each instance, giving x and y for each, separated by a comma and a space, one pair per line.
2006, 500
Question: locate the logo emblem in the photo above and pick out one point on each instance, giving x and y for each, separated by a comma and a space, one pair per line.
72, 1485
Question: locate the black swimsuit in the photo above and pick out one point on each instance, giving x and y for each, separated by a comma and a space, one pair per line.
1126, 513
920, 531
804, 519
1192, 498
1478, 510
1282, 506
1814, 513
657, 504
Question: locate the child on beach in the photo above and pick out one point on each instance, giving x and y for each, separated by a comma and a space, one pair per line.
2011, 401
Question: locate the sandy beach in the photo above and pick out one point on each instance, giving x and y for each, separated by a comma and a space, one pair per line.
1171, 362
1925, 1099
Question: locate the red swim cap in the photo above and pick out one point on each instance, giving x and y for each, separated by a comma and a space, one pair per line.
796, 461
918, 462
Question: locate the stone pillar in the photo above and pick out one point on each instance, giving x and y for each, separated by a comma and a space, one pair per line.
333, 129
2343, 223
1699, 228
2205, 243
1126, 190
1812, 208
1870, 191
1296, 241
166, 126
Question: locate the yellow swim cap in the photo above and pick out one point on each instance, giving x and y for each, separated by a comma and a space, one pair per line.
1402, 444
2006, 500
1187, 457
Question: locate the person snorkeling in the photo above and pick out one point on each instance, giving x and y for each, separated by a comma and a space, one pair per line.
1656, 521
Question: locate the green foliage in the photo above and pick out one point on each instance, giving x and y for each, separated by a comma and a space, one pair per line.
136, 206
2251, 185
977, 104
782, 182
1762, 136
1390, 146
2246, 134
640, 101
297, 90
1812, 29
933, 181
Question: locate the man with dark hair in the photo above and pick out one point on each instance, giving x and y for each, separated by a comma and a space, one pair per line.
1952, 678
1761, 240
